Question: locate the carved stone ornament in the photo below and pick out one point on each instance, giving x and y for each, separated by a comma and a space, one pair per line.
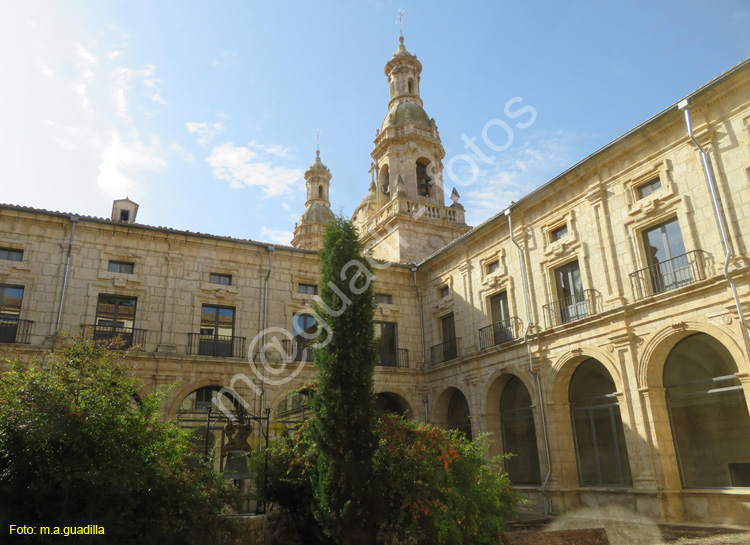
726, 319
120, 282
220, 292
558, 249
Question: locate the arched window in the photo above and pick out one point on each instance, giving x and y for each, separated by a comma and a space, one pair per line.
597, 427
424, 181
519, 434
385, 182
320, 191
393, 403
708, 413
411, 86
458, 414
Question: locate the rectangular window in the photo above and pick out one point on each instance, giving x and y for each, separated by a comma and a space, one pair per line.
493, 266
385, 333
10, 312
571, 300
669, 267
217, 331
115, 317
305, 331
308, 289
384, 298
8, 254
444, 291
221, 279
448, 330
557, 234
649, 188
124, 215
122, 267
501, 329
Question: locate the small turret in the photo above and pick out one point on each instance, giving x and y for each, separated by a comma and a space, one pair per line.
309, 232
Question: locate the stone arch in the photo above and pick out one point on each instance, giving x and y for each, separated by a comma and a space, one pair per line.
559, 380
495, 384
393, 402
440, 407
182, 392
654, 355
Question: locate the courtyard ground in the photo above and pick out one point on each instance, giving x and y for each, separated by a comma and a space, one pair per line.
586, 529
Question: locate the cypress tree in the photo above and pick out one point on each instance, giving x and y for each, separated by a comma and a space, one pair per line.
343, 429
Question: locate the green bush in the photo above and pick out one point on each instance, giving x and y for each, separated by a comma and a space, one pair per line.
437, 487
77, 449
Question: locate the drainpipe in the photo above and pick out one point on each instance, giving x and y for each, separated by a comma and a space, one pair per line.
728, 252
265, 326
73, 221
537, 379
421, 313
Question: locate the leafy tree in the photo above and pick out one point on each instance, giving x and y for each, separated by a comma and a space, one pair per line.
343, 428
77, 449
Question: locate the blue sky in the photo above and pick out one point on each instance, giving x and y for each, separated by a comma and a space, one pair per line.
205, 113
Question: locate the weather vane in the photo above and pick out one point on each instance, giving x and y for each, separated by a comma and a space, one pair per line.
317, 139
400, 21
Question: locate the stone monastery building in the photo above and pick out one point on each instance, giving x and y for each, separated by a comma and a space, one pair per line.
596, 328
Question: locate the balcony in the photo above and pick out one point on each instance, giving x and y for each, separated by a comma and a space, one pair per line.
445, 351
224, 346
570, 309
499, 333
399, 358
668, 275
117, 338
15, 331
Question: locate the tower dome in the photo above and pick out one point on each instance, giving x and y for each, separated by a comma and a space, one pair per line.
308, 233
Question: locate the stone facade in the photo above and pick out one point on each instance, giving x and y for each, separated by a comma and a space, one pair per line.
565, 280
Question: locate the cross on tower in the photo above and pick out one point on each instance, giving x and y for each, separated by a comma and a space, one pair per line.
317, 140
400, 21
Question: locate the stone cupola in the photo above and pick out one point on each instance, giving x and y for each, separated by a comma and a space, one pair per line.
308, 233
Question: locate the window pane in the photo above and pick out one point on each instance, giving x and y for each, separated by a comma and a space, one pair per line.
221, 279
560, 232
11, 255
493, 266
448, 327
597, 427
519, 435
308, 289
499, 307
708, 413
649, 188
384, 298
120, 267
10, 301
458, 414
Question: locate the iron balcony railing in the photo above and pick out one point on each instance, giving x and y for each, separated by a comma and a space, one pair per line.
445, 351
500, 332
668, 275
216, 345
298, 349
399, 358
15, 331
117, 338
571, 308
293, 403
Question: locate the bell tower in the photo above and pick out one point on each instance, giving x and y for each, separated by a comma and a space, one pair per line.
309, 232
406, 218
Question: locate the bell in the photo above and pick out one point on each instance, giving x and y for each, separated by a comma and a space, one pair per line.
236, 465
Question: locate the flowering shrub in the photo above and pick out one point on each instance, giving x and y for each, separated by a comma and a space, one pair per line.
435, 485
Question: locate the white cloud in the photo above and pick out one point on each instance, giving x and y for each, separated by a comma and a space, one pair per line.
156, 97
240, 166
514, 173
271, 149
124, 159
86, 61
204, 132
181, 152
122, 78
274, 235
285, 206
